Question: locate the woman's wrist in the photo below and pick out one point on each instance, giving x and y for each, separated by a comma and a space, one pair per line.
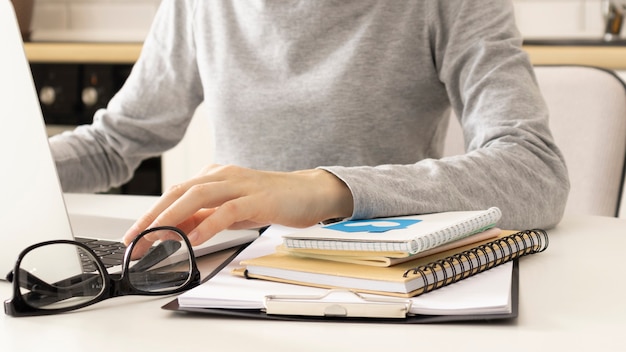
331, 195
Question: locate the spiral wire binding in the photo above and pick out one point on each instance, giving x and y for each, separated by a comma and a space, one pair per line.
525, 243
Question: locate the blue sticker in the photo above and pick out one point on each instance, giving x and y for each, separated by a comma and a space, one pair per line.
372, 225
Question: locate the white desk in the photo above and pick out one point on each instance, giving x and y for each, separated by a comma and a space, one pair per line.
571, 299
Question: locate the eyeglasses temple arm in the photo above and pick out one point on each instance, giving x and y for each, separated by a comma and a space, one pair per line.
156, 255
42, 293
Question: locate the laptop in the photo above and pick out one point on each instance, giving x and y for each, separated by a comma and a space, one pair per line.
32, 205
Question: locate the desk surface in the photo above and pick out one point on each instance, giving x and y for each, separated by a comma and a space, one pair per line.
571, 297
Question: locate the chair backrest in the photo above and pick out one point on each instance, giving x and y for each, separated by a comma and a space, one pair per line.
622, 203
192, 153
588, 120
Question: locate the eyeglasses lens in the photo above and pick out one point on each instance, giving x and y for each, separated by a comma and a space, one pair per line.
59, 275
164, 266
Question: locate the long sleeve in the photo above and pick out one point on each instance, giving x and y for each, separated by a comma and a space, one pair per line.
512, 161
146, 117
361, 88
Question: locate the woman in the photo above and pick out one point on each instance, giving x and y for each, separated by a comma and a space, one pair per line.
329, 109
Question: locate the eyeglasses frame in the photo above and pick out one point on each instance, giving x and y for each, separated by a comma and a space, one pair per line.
112, 287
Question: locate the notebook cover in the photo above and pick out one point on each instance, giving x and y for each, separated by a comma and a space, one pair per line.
411, 234
415, 319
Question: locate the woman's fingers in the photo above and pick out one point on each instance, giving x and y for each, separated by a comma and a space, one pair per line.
233, 197
165, 202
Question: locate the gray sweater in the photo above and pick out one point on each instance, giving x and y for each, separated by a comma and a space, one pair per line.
361, 88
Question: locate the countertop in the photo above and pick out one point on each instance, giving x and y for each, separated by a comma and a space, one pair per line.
607, 56
111, 53
610, 56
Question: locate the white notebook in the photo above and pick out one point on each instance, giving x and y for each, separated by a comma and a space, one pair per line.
406, 234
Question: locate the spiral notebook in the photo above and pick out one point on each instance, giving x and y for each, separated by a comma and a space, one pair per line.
407, 279
401, 236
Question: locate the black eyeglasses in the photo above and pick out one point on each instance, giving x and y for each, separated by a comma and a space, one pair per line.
63, 275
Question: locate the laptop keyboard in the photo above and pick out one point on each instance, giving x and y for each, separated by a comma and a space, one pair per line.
110, 252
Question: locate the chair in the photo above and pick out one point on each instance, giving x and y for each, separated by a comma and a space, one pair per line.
588, 120
622, 207
194, 151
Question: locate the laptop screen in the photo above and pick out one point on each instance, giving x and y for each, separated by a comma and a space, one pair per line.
32, 208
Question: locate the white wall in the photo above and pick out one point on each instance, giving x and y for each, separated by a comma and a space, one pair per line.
129, 20
559, 18
93, 20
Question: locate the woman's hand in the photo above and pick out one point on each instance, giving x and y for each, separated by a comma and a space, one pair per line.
231, 197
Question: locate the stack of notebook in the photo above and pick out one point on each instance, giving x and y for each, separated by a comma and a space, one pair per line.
399, 256
305, 274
